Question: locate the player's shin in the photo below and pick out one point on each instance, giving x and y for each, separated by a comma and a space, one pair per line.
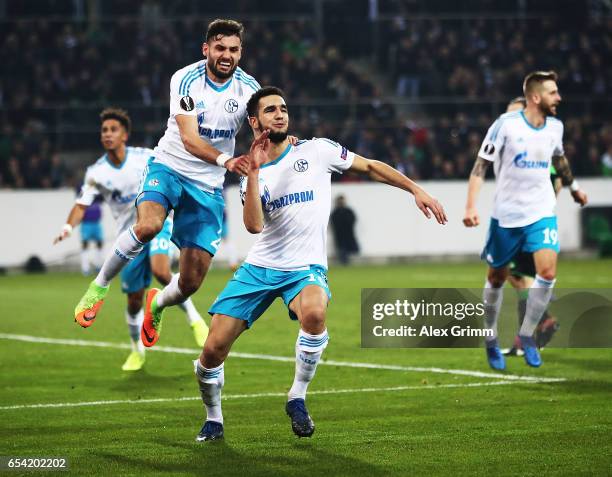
126, 248
521, 306
308, 351
190, 311
492, 299
187, 305
134, 323
210, 382
537, 302
85, 262
98, 258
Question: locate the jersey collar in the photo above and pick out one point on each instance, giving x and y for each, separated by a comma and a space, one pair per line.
529, 124
112, 164
278, 159
218, 89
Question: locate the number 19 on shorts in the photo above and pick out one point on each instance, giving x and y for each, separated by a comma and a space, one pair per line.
551, 236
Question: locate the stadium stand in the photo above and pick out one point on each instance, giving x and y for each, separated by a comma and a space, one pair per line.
407, 84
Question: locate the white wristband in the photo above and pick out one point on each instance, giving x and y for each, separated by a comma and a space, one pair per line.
67, 229
574, 186
222, 159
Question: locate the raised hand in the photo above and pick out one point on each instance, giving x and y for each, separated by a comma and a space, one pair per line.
259, 150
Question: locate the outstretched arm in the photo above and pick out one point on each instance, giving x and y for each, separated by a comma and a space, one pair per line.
75, 217
564, 171
381, 172
477, 176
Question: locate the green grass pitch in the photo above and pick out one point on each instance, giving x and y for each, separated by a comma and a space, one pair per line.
438, 424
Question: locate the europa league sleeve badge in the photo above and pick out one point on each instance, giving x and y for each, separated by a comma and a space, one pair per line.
187, 103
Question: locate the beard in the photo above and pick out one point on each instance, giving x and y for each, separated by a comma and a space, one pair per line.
547, 110
277, 136
221, 74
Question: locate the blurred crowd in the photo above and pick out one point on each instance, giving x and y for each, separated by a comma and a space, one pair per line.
420, 97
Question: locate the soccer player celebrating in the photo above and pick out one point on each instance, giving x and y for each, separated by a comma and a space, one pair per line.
116, 176
287, 200
522, 144
207, 107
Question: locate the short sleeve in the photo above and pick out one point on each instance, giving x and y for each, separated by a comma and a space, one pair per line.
558, 149
180, 101
494, 141
89, 190
334, 156
263, 191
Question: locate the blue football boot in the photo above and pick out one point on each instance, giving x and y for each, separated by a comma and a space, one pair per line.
301, 422
211, 431
532, 355
495, 357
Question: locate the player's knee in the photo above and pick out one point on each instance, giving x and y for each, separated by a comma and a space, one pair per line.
548, 273
146, 230
497, 277
189, 283
313, 319
214, 352
134, 303
496, 282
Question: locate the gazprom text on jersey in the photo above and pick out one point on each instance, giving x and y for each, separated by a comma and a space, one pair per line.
216, 133
289, 199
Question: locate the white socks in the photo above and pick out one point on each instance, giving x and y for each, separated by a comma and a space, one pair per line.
97, 257
191, 313
134, 323
125, 248
211, 382
492, 299
537, 302
308, 351
171, 294
85, 261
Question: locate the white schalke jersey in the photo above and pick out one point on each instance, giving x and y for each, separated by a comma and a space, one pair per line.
295, 192
118, 185
220, 110
522, 156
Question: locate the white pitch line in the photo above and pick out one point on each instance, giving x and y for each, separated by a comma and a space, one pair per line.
346, 364
262, 395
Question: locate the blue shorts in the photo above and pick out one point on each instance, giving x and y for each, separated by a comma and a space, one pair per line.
136, 275
91, 232
224, 226
504, 243
253, 289
198, 215
160, 245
